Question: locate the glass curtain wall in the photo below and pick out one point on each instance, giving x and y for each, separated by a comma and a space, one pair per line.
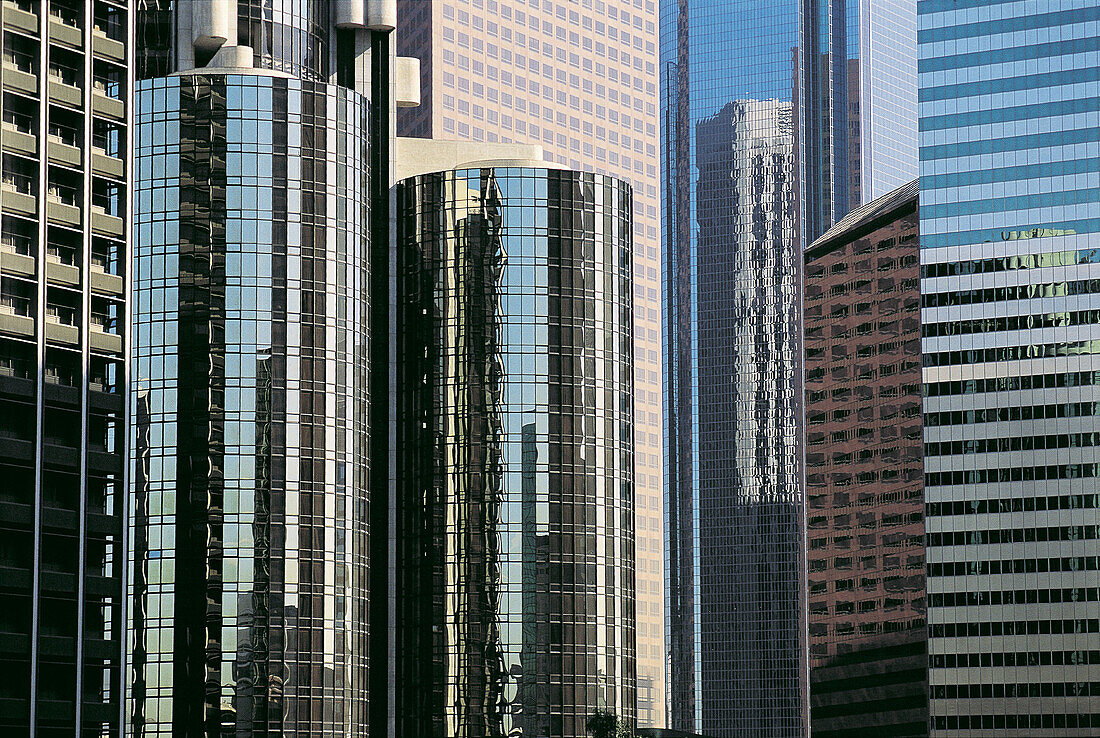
1010, 233
732, 260
248, 508
515, 462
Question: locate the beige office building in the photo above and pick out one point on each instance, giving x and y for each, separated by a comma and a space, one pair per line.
580, 78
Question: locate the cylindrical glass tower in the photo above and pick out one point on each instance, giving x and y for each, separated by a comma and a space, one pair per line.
514, 453
248, 510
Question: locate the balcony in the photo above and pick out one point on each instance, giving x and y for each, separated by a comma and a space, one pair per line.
18, 133
108, 81
20, 15
61, 376
18, 193
63, 205
107, 148
61, 325
20, 72
16, 316
65, 27
60, 273
65, 85
104, 336
64, 146
16, 255
105, 46
104, 271
106, 165
105, 223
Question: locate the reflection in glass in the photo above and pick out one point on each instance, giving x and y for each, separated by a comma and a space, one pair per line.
515, 592
248, 586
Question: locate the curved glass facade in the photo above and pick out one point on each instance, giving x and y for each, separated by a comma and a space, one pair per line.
248, 492
515, 494
286, 35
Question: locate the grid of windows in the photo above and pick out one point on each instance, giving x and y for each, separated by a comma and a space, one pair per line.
515, 462
64, 239
1009, 105
580, 78
865, 527
248, 499
732, 353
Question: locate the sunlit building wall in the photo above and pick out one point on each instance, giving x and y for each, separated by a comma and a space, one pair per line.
1009, 106
578, 77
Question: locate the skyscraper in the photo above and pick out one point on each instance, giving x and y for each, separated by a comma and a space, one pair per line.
64, 250
257, 134
733, 370
580, 78
858, 103
887, 96
778, 119
1010, 245
514, 473
864, 474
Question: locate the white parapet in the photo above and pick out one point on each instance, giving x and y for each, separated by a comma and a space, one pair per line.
232, 57
407, 79
423, 155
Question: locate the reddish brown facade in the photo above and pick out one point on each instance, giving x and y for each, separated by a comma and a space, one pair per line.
864, 473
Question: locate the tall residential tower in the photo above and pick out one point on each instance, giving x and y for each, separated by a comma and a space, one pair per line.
64, 259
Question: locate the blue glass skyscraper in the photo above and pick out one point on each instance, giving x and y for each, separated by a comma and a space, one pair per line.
766, 143
857, 103
1009, 100
732, 368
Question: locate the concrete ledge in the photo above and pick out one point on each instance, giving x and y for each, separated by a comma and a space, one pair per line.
61, 333
110, 284
105, 342
62, 274
21, 325
17, 263
423, 155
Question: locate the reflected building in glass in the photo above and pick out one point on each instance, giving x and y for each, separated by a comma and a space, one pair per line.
857, 101
778, 118
734, 506
249, 505
1009, 104
514, 453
